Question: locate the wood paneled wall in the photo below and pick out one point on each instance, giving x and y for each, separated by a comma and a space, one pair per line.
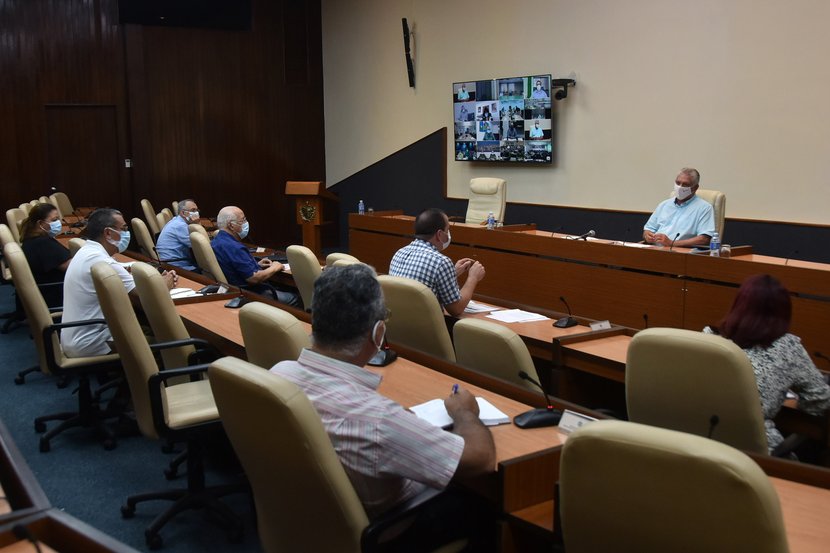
225, 117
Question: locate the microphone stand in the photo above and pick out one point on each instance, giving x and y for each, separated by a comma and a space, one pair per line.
541, 417
565, 322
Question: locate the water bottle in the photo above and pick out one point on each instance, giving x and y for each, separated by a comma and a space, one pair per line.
491, 221
361, 208
714, 245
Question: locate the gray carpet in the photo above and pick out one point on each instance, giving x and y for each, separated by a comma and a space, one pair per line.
86, 481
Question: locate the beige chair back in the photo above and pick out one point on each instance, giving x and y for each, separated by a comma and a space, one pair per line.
271, 334
75, 244
205, 258
630, 488
344, 263
61, 201
160, 220
44, 200
417, 320
493, 349
166, 214
718, 201
196, 227
305, 267
681, 379
25, 207
5, 238
161, 314
142, 236
14, 218
175, 205
150, 217
293, 469
486, 195
333, 258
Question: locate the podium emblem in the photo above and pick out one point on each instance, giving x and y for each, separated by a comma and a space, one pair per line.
308, 212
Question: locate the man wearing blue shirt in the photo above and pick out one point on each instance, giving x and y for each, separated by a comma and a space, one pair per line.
173, 245
684, 219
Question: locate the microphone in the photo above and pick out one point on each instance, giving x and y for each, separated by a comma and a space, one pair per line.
673, 240
541, 417
713, 422
590, 233
565, 322
645, 319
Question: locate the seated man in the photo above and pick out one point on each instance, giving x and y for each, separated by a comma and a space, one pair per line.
106, 233
687, 220
239, 266
389, 454
421, 260
173, 244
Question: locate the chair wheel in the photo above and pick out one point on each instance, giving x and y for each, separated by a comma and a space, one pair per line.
19, 379
127, 511
170, 474
40, 427
44, 446
153, 541
109, 444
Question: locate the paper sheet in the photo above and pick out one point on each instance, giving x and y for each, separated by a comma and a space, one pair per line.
516, 316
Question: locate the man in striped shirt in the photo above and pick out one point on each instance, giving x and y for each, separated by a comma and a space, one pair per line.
389, 454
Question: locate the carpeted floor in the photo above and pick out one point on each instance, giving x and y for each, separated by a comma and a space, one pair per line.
86, 481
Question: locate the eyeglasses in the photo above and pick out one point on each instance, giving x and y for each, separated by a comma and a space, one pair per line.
125, 228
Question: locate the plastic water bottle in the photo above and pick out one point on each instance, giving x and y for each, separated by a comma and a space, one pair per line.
361, 208
714, 245
491, 221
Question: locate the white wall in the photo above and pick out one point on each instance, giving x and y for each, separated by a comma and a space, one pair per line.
739, 89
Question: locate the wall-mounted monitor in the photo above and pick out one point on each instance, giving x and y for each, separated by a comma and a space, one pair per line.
503, 119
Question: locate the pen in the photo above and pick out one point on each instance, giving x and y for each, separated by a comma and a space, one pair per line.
455, 388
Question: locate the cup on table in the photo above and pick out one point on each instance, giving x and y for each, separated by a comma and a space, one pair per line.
725, 250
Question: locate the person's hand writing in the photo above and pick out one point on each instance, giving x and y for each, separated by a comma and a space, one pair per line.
460, 403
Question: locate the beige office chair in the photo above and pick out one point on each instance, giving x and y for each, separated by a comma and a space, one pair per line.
417, 320
175, 205
52, 360
718, 201
697, 383
25, 207
305, 268
271, 334
161, 220
44, 200
205, 258
332, 258
493, 349
6, 237
196, 227
61, 201
150, 217
486, 195
75, 244
14, 219
293, 469
142, 236
630, 488
183, 412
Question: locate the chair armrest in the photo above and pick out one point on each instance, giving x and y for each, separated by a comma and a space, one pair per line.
372, 537
179, 343
51, 329
154, 384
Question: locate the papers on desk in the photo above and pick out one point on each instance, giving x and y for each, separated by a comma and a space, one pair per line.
286, 267
435, 413
516, 316
634, 245
178, 293
476, 307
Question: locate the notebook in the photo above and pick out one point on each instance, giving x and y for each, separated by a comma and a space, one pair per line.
435, 412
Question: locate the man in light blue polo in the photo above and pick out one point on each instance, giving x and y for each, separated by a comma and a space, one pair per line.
173, 245
686, 219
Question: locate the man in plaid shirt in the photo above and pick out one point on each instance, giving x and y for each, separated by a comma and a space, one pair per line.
423, 261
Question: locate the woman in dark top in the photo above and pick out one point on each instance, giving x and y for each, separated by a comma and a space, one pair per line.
47, 257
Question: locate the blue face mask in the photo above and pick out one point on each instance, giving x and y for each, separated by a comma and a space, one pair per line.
243, 232
55, 228
123, 243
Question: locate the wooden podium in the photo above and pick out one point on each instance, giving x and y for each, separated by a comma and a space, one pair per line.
311, 199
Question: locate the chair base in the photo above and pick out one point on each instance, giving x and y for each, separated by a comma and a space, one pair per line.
73, 420
21, 376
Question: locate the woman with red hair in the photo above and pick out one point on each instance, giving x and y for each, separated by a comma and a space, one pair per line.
759, 322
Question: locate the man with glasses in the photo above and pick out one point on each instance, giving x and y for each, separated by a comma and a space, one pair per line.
423, 261
683, 220
106, 234
173, 244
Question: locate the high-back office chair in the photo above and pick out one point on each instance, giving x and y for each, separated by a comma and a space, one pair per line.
75, 244
150, 216
61, 201
183, 412
14, 219
718, 201
52, 360
697, 383
493, 349
145, 241
25, 207
161, 220
43, 200
6, 237
305, 268
196, 227
486, 195
175, 205
205, 258
293, 469
627, 488
334, 257
417, 320
271, 334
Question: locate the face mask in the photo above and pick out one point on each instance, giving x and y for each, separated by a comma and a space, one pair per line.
445, 245
194, 216
123, 243
243, 232
55, 228
379, 344
682, 192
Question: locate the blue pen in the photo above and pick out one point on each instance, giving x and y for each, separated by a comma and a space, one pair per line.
455, 388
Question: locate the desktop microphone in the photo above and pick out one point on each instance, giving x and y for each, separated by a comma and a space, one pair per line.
713, 422
537, 418
590, 233
565, 322
645, 319
672, 242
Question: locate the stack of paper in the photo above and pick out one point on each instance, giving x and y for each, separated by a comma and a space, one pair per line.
435, 412
177, 293
516, 316
476, 307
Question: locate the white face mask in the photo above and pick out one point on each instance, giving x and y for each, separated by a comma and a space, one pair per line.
682, 192
445, 245
193, 216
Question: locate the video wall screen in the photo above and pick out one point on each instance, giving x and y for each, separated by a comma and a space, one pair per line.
503, 120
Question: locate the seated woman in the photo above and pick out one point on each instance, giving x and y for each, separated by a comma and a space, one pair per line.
47, 257
758, 322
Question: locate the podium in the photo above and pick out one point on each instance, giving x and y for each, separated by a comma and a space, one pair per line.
311, 199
